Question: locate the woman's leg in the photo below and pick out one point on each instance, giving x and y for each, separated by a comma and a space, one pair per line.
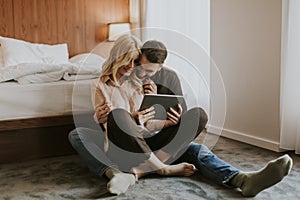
129, 149
177, 138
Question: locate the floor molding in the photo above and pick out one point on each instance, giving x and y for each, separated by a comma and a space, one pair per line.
246, 138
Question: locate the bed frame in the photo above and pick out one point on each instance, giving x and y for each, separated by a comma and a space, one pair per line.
82, 24
33, 138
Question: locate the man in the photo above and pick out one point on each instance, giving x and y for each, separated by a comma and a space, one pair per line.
158, 79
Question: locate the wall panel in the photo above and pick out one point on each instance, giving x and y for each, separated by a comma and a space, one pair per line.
6, 18
82, 24
35, 20
99, 14
71, 26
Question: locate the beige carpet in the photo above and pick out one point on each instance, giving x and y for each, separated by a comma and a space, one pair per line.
68, 178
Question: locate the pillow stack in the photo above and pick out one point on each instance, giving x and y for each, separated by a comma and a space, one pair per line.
14, 52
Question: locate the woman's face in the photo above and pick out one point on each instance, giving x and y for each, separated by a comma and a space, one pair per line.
127, 69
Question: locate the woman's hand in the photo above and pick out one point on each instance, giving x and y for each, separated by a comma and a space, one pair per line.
101, 113
143, 116
173, 116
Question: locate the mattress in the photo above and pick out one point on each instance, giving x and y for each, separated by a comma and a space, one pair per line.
45, 99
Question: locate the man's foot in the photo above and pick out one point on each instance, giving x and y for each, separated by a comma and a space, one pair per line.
182, 169
251, 183
119, 181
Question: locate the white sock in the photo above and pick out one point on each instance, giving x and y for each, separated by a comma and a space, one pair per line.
251, 183
119, 181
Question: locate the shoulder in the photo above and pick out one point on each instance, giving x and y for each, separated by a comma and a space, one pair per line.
168, 73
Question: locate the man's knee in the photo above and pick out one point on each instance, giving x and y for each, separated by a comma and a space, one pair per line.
73, 135
198, 150
200, 112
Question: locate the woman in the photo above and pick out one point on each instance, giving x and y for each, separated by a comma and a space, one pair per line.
118, 96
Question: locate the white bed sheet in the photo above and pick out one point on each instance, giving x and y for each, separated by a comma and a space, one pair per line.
45, 99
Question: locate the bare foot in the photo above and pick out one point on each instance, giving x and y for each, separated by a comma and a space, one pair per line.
141, 170
182, 169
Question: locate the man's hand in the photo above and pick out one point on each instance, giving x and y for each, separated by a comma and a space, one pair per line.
173, 116
143, 116
101, 113
149, 87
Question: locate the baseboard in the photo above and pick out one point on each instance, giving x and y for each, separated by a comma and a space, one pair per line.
243, 137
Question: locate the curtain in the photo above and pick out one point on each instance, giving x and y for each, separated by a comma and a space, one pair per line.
290, 76
137, 16
184, 27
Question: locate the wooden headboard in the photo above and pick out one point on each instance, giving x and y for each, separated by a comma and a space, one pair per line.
82, 24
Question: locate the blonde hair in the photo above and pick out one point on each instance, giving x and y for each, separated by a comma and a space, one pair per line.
120, 55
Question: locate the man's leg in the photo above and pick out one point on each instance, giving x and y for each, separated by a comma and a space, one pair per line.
89, 145
208, 164
251, 183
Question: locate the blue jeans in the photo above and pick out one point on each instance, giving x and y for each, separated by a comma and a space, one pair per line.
89, 144
208, 164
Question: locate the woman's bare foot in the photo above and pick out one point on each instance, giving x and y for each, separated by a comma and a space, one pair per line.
141, 170
182, 169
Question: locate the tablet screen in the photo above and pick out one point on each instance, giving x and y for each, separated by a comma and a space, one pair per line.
161, 103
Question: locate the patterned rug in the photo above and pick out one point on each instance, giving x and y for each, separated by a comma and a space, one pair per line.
68, 178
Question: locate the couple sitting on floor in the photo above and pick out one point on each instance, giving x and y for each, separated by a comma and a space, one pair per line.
132, 143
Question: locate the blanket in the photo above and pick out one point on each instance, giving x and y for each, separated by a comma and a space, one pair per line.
26, 73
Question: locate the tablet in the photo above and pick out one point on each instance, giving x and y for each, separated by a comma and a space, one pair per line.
161, 103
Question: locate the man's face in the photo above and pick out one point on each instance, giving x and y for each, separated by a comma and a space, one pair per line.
146, 68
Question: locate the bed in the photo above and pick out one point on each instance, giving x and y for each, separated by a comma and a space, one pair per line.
40, 98
36, 115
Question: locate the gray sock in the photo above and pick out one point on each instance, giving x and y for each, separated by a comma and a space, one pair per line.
251, 183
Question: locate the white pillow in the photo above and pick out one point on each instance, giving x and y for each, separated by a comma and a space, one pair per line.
19, 51
88, 59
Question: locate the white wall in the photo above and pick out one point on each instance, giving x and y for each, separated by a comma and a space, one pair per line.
245, 45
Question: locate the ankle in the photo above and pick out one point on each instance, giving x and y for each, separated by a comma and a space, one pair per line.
110, 172
163, 171
238, 180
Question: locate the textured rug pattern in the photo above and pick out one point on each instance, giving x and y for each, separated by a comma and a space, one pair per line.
68, 178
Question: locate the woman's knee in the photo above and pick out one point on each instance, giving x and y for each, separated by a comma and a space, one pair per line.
118, 115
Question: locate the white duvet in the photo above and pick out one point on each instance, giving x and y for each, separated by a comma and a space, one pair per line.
26, 73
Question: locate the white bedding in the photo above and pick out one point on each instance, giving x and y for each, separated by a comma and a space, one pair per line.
45, 99
26, 73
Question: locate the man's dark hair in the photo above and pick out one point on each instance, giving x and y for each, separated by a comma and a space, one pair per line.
155, 51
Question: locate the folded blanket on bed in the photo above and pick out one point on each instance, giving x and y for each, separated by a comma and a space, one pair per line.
77, 71
38, 73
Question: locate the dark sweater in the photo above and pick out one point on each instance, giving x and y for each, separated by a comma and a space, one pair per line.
168, 82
